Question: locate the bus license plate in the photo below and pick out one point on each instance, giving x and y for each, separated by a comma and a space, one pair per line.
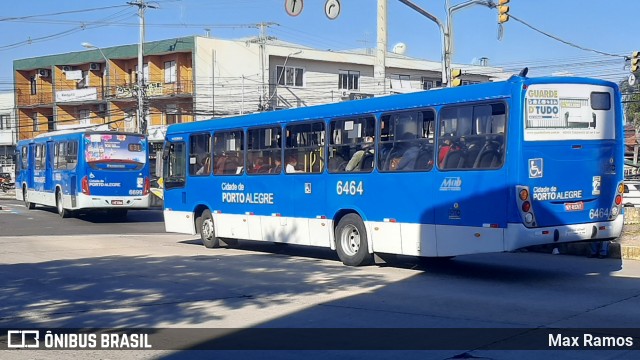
576, 206
116, 202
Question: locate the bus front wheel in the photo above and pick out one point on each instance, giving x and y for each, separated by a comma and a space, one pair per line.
351, 241
207, 232
29, 205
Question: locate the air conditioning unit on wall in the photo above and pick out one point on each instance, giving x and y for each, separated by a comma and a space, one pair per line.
43, 73
94, 66
67, 68
344, 93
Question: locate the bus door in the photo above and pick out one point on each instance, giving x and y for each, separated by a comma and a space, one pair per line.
571, 163
471, 181
29, 162
49, 185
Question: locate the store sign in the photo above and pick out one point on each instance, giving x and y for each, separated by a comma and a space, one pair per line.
85, 94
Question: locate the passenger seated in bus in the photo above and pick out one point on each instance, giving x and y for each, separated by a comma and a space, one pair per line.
356, 161
258, 166
277, 167
205, 165
292, 162
443, 151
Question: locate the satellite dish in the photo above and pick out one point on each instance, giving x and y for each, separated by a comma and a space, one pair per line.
399, 48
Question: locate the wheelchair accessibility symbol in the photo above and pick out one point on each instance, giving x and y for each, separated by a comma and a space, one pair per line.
535, 168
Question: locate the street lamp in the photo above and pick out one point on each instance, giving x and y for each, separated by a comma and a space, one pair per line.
284, 70
107, 69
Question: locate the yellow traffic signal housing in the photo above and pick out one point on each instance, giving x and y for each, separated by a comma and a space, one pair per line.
635, 61
455, 77
503, 11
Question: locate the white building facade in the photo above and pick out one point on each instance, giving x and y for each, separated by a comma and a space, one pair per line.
8, 129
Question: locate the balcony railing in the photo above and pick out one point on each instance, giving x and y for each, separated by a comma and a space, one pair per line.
155, 89
41, 98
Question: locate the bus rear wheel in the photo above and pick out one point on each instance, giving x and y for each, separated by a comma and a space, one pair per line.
29, 205
64, 213
207, 231
351, 241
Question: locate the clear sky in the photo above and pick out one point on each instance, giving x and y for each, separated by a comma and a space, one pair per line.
609, 26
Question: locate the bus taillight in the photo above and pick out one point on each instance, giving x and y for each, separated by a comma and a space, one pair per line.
524, 194
618, 199
85, 186
524, 202
147, 186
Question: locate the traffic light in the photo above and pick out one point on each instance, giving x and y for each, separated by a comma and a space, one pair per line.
455, 77
635, 61
503, 11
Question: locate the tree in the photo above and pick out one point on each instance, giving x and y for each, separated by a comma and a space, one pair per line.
631, 102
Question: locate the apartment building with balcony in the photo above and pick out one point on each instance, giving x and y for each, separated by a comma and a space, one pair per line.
195, 78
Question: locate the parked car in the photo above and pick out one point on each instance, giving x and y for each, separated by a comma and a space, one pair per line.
631, 196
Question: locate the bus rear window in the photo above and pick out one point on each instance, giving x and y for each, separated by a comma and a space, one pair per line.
600, 101
569, 112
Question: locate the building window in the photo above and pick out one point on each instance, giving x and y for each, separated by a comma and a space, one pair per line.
4, 122
85, 117
34, 85
430, 84
349, 80
290, 76
170, 72
84, 82
36, 126
145, 73
172, 115
400, 81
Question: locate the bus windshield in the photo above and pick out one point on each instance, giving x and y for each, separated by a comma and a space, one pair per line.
115, 151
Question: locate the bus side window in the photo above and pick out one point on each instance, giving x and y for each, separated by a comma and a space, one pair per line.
406, 141
471, 137
352, 146
305, 144
263, 150
228, 158
200, 154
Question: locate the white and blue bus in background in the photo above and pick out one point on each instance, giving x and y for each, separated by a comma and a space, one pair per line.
482, 168
82, 170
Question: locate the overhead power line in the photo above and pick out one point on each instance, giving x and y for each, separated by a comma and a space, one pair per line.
562, 40
61, 13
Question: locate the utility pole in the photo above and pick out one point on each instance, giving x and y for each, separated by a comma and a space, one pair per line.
261, 41
141, 125
380, 66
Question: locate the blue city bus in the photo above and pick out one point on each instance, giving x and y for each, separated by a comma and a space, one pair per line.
82, 170
482, 168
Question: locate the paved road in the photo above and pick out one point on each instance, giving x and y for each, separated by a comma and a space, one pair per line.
167, 280
16, 220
